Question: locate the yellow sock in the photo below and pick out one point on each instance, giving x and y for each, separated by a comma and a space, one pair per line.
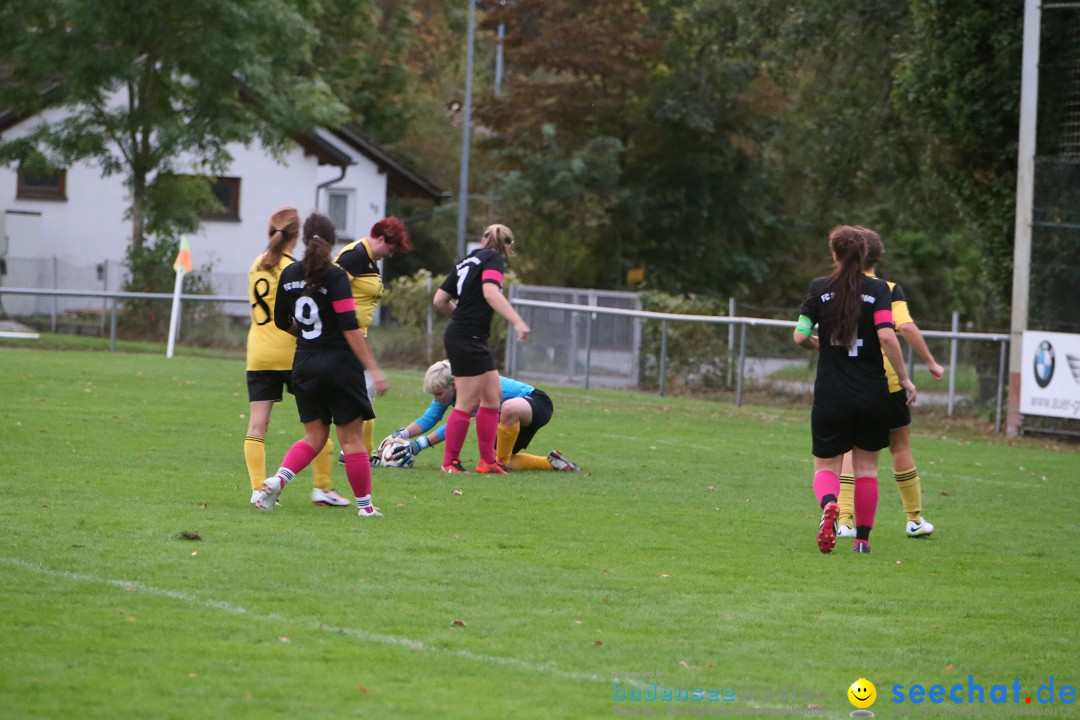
846, 501
504, 443
321, 465
369, 435
255, 457
525, 461
910, 487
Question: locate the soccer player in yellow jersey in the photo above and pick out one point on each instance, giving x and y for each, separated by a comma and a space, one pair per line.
904, 471
360, 261
270, 359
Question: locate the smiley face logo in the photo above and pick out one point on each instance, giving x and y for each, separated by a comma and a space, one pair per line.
862, 693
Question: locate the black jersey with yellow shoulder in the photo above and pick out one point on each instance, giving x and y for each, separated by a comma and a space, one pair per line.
367, 285
472, 316
322, 317
850, 375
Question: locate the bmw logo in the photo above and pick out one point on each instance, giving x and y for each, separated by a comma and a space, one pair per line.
1044, 363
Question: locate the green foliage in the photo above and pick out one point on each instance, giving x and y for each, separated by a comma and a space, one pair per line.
151, 270
696, 353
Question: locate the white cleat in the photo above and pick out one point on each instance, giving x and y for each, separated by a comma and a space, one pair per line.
845, 531
922, 528
369, 512
328, 498
268, 495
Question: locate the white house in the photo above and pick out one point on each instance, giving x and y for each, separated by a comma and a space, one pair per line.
68, 230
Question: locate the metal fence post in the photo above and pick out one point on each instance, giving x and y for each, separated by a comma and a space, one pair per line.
663, 357
588, 345
952, 363
730, 342
1001, 385
56, 286
742, 364
112, 327
430, 321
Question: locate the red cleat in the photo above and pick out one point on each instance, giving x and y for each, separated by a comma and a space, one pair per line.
495, 468
826, 534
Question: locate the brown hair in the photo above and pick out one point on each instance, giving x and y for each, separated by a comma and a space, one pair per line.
499, 238
874, 247
849, 247
284, 227
319, 238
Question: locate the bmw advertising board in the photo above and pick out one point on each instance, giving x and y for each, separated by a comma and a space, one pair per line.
1050, 376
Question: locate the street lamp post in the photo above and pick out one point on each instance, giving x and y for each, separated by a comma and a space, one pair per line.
463, 180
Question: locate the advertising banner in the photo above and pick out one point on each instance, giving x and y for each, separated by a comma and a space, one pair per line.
1050, 379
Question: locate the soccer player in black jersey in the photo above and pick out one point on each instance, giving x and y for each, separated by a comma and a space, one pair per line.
853, 313
270, 357
314, 302
473, 294
904, 472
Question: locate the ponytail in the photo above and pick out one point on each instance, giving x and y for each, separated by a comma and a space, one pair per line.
284, 227
319, 238
850, 248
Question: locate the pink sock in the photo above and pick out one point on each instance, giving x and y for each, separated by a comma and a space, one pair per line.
866, 497
826, 482
358, 471
487, 427
457, 427
299, 457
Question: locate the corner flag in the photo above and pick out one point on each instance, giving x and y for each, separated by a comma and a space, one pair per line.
181, 265
183, 256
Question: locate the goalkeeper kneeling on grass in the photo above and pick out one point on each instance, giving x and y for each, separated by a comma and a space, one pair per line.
524, 410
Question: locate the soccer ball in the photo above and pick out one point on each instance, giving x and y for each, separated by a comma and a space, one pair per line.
394, 452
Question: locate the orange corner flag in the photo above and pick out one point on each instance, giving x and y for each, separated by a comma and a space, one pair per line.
183, 257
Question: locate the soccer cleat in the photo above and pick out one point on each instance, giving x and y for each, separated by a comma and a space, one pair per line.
495, 468
558, 462
369, 512
268, 495
255, 495
454, 468
341, 457
845, 531
328, 498
862, 547
826, 534
920, 528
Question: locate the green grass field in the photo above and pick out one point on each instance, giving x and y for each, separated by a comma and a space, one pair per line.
688, 548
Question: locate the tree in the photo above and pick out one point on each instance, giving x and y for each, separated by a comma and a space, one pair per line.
157, 90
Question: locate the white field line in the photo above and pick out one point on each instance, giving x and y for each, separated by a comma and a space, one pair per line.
546, 668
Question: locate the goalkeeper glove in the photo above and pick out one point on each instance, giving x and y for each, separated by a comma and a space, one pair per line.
402, 433
420, 443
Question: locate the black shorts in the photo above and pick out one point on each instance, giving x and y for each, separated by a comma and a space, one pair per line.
266, 385
469, 356
542, 410
899, 412
835, 431
329, 386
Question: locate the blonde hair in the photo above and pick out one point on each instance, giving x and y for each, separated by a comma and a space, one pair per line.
438, 377
499, 238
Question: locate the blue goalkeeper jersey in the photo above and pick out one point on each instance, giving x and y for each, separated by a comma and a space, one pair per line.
510, 389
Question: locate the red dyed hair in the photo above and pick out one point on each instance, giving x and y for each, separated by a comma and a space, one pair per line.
393, 232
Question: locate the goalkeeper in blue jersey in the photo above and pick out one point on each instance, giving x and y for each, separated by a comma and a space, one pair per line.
523, 411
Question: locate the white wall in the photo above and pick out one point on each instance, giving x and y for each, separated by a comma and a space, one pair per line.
89, 227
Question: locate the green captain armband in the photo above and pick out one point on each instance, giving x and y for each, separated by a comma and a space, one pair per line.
804, 326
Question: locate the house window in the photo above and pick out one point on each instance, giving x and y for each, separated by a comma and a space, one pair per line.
227, 192
337, 207
42, 185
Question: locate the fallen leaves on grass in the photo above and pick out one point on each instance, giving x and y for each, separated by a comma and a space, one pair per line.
188, 535
458, 623
456, 491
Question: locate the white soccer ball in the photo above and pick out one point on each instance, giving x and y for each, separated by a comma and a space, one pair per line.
392, 445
